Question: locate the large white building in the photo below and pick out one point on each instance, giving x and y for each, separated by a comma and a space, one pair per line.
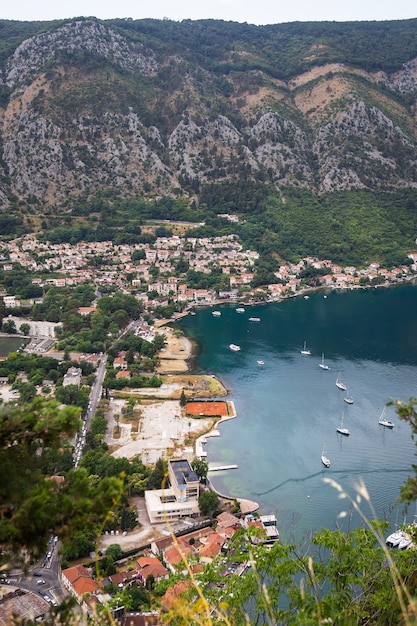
179, 499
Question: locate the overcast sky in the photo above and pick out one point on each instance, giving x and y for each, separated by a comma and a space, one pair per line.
251, 11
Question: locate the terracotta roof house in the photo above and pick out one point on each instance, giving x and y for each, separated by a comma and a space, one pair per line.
175, 555
209, 552
86, 310
123, 374
174, 595
120, 362
216, 538
160, 545
150, 565
78, 581
121, 578
226, 520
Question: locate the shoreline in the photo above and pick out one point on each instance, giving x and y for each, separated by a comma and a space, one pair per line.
246, 506
309, 290
301, 292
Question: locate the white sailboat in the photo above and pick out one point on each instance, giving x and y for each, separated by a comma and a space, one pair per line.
348, 398
339, 383
343, 431
383, 421
324, 459
305, 350
323, 364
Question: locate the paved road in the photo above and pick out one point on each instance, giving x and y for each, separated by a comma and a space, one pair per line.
95, 396
49, 570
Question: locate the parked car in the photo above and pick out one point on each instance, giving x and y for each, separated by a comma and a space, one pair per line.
40, 581
37, 574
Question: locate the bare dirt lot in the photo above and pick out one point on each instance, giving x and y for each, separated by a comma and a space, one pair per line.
163, 430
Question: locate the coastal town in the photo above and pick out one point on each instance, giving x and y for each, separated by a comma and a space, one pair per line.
173, 537
150, 272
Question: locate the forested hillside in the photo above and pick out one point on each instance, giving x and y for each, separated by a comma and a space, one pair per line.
95, 114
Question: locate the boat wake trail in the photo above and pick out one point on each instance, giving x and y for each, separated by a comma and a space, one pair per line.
342, 473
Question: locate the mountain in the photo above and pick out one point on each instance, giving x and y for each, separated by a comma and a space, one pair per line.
151, 108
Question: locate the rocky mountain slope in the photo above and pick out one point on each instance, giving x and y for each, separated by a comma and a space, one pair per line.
152, 108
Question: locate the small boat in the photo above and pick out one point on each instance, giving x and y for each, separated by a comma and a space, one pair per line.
305, 351
405, 542
254, 319
348, 399
240, 309
341, 430
323, 364
306, 297
339, 384
234, 347
216, 313
260, 362
324, 459
384, 422
394, 539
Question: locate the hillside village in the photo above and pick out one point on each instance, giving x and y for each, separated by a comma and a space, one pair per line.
149, 271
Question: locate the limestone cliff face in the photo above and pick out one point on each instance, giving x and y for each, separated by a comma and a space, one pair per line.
90, 109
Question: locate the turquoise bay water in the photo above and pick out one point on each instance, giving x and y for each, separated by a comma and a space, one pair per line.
289, 408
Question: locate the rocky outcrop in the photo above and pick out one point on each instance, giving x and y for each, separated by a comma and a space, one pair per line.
89, 108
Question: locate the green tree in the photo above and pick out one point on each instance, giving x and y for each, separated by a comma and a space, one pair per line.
26, 433
24, 329
27, 391
114, 551
158, 478
9, 327
200, 466
208, 502
2, 310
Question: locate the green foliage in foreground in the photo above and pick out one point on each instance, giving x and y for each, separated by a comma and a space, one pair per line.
32, 504
351, 579
342, 578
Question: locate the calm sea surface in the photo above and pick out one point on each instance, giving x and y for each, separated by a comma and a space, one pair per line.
289, 408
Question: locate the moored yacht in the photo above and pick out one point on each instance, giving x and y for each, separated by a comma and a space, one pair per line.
384, 422
394, 539
323, 364
324, 459
305, 350
339, 384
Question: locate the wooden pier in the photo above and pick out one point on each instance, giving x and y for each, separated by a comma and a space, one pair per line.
218, 468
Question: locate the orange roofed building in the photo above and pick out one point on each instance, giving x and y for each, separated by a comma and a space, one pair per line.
150, 565
78, 581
